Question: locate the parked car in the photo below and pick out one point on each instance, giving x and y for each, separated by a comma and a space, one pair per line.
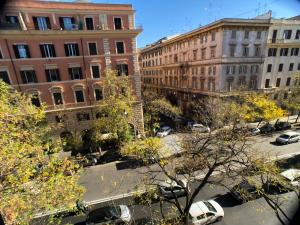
282, 126
288, 137
205, 212
163, 131
255, 131
109, 215
245, 192
268, 128
291, 180
88, 160
170, 189
197, 127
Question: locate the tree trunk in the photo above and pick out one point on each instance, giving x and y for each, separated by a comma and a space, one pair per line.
259, 122
297, 118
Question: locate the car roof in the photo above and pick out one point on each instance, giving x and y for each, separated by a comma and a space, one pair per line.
198, 208
291, 174
290, 133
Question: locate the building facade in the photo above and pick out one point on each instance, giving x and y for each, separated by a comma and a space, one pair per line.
212, 60
58, 52
282, 57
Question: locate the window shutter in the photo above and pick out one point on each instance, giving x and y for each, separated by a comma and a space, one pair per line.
61, 22
27, 50
71, 74
77, 50
42, 51
80, 73
72, 20
16, 51
48, 76
48, 23
66, 50
53, 50
34, 76
36, 26
23, 77
58, 75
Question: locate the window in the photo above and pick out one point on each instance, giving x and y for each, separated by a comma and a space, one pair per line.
79, 96
280, 67
246, 34
1, 55
267, 84
269, 69
195, 54
203, 53
21, 51
233, 34
35, 100
246, 51
75, 73
83, 116
284, 51
297, 34
95, 71
89, 23
285, 95
230, 69
254, 69
278, 82
213, 52
258, 35
12, 19
274, 36
272, 51
122, 69
4, 77
57, 97
120, 47
257, 51
66, 23
41, 23
213, 36
253, 83
93, 48
298, 66
52, 75
291, 67
229, 85
288, 81
294, 51
71, 50
287, 34
118, 23
28, 76
242, 69
98, 94
47, 50
232, 50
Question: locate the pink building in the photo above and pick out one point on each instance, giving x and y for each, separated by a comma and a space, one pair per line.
59, 51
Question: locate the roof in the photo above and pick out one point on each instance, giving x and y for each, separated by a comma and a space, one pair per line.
67, 5
198, 208
291, 174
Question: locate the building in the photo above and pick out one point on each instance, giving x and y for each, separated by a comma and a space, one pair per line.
282, 57
212, 60
58, 52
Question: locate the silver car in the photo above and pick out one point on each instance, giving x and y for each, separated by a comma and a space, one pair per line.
170, 189
288, 137
163, 131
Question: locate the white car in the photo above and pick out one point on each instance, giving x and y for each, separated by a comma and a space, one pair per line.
288, 137
198, 127
205, 212
292, 176
163, 131
170, 189
255, 131
109, 215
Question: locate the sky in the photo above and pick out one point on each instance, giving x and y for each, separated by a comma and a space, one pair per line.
161, 18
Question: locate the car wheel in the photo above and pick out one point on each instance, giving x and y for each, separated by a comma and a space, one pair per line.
219, 218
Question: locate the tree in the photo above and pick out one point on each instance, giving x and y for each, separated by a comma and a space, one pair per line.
226, 151
31, 182
115, 112
155, 107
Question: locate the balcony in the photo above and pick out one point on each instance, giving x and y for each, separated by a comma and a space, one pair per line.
9, 26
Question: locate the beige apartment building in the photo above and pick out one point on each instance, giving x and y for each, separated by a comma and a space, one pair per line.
58, 51
213, 60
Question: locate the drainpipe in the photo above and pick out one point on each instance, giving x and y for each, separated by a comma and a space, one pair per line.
13, 64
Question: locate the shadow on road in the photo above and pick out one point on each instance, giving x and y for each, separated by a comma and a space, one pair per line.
226, 200
275, 143
128, 164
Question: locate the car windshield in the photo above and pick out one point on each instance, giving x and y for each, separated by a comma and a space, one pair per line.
210, 206
163, 129
285, 136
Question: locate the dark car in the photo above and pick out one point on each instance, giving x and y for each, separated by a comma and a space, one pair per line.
268, 128
282, 126
88, 160
245, 192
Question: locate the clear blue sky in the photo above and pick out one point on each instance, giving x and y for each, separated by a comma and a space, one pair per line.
161, 18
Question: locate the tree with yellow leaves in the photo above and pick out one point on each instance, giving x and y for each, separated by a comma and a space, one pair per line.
30, 181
